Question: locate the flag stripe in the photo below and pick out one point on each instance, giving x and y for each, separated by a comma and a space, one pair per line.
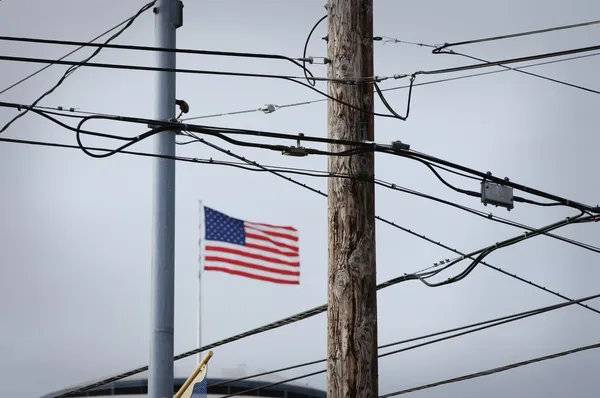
272, 241
259, 249
273, 234
253, 276
259, 224
271, 250
242, 253
240, 264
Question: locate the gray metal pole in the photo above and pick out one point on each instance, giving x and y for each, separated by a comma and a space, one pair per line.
160, 375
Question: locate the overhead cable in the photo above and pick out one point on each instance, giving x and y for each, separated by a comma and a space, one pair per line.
234, 54
462, 331
493, 370
509, 61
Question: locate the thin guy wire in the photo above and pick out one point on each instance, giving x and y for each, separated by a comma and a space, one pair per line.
23, 80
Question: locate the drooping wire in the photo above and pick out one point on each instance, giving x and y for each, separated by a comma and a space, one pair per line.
590, 90
488, 372
304, 58
462, 331
77, 65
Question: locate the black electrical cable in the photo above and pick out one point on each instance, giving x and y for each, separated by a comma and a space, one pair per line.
359, 147
509, 61
451, 52
475, 194
159, 49
312, 82
513, 35
492, 371
76, 65
489, 177
463, 330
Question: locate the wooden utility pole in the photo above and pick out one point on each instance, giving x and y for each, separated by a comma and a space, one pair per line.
352, 369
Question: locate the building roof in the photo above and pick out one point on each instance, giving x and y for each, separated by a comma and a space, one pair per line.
140, 387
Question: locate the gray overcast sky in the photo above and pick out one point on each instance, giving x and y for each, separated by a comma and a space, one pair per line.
75, 236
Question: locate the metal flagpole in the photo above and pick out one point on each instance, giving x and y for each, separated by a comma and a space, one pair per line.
200, 225
169, 16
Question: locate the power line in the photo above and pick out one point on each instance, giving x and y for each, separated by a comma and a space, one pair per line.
131, 47
76, 65
520, 34
463, 331
302, 103
493, 370
63, 57
509, 61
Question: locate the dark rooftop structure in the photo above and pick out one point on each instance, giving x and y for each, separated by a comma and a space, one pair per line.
216, 386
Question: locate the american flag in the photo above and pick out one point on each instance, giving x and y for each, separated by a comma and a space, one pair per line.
199, 390
265, 252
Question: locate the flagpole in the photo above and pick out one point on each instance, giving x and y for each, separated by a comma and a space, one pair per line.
199, 309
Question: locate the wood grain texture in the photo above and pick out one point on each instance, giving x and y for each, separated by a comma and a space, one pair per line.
352, 369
